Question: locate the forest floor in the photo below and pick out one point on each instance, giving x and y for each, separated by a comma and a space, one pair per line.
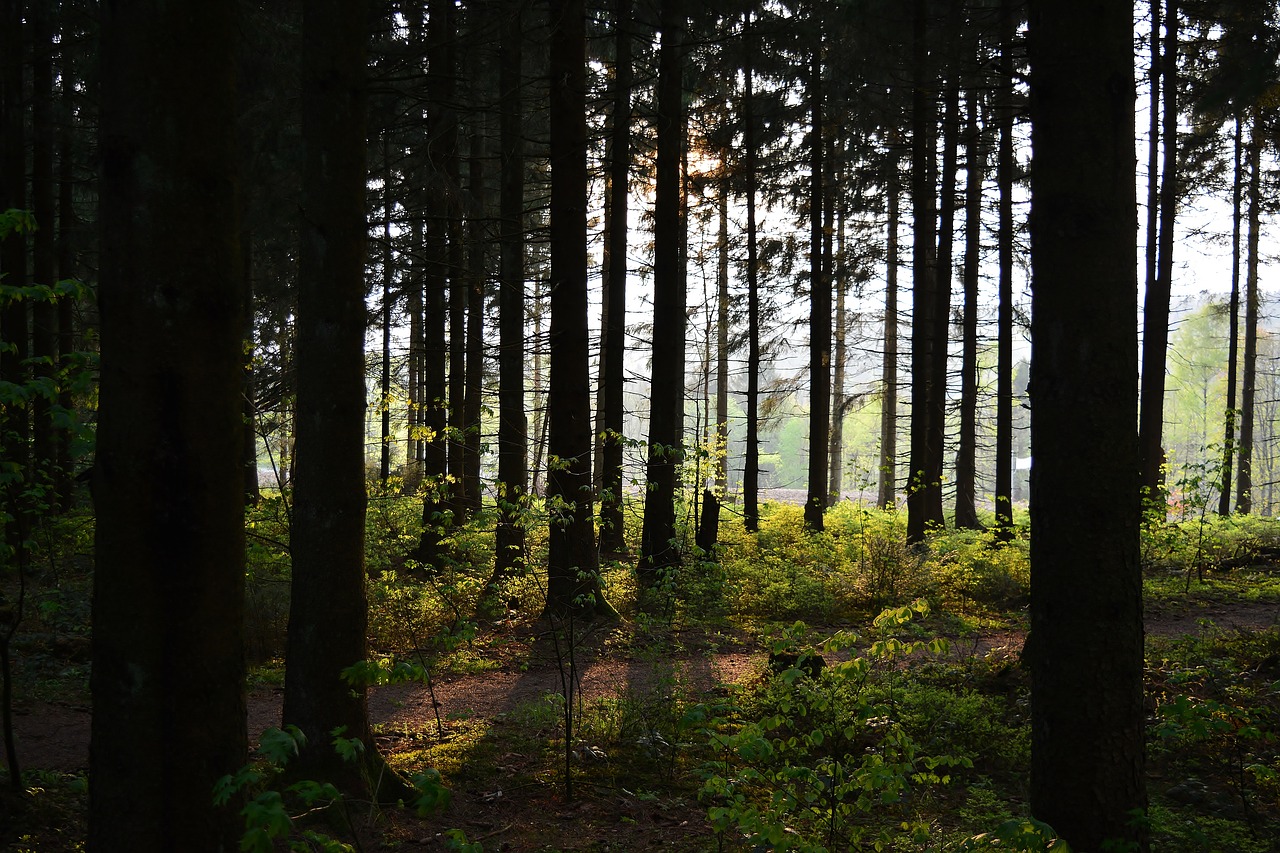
517, 801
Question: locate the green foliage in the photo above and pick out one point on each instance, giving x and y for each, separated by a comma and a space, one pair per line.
1026, 834
824, 762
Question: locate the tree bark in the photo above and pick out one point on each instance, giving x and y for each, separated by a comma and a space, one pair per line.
1248, 379
839, 404
1233, 325
168, 653
513, 465
659, 549
613, 374
477, 248
819, 307
328, 613
1085, 647
1004, 311
1155, 309
751, 467
966, 456
887, 495
721, 449
572, 561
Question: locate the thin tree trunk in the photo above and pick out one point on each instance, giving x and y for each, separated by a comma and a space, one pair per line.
1004, 311
942, 279
924, 489
839, 403
1233, 325
751, 467
613, 375
1155, 311
477, 244
249, 457
966, 456
660, 551
721, 448
384, 404
887, 495
513, 465
819, 308
1244, 483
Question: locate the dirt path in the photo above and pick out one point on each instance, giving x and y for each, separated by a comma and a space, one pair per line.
53, 736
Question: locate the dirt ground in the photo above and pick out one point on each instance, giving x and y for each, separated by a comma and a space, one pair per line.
53, 736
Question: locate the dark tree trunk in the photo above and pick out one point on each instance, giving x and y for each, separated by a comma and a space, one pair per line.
613, 375
941, 334
388, 273
14, 420
887, 494
924, 488
1155, 310
966, 456
839, 404
1248, 379
414, 307
819, 307
249, 455
327, 609
1004, 311
572, 561
441, 136
513, 465
477, 244
659, 549
168, 606
1233, 324
1085, 646
721, 449
751, 467
44, 312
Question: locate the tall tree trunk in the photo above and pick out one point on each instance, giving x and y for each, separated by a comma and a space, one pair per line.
839, 403
328, 614
67, 269
513, 465
942, 279
721, 448
613, 374
1248, 383
1085, 647
1153, 150
887, 493
168, 604
413, 305
751, 467
659, 549
572, 561
477, 247
441, 136
384, 404
1155, 310
819, 307
1233, 325
966, 456
924, 489
249, 455
44, 312
14, 420
1004, 311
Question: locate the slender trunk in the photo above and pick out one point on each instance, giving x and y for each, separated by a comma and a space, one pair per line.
924, 491
966, 456
887, 495
414, 444
660, 549
819, 309
1004, 313
249, 458
1233, 326
721, 448
384, 404
1155, 310
1153, 150
513, 465
477, 246
1248, 383
839, 404
613, 374
751, 467
942, 283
